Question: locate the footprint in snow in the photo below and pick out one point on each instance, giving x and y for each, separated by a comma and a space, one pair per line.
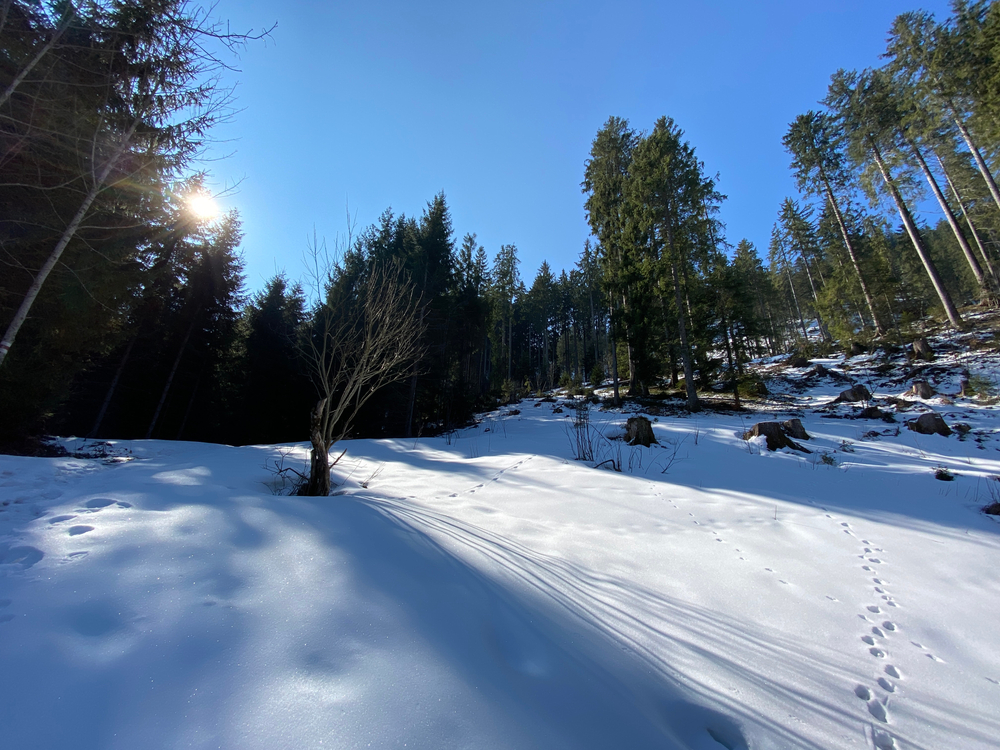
886, 685
878, 632
877, 652
6, 618
863, 693
77, 530
97, 503
868, 639
874, 560
873, 608
889, 625
60, 519
869, 568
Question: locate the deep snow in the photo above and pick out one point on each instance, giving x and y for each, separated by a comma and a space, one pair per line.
485, 590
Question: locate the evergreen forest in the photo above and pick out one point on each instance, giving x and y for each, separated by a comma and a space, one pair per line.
126, 315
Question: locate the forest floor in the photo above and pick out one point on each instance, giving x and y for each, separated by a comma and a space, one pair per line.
484, 589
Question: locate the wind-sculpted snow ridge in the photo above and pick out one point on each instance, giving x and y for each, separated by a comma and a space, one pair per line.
485, 590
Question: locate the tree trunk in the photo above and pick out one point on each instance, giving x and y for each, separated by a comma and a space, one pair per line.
111, 389
411, 406
319, 457
978, 157
43, 273
880, 328
26, 70
614, 369
977, 270
170, 378
190, 406
971, 225
918, 244
795, 298
692, 393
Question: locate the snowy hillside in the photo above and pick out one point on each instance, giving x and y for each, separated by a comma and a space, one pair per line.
485, 590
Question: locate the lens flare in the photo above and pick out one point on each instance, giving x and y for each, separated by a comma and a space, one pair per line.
203, 206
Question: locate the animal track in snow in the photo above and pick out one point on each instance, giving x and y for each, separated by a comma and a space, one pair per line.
878, 631
868, 639
884, 741
98, 502
886, 685
877, 710
863, 693
77, 530
889, 625
877, 652
60, 519
873, 608
893, 672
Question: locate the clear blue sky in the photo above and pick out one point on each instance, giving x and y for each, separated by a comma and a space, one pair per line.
381, 103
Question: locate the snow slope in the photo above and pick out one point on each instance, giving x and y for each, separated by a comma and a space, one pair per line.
485, 590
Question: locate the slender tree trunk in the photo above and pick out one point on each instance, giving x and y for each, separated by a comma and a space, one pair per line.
190, 406
978, 158
170, 377
963, 243
972, 227
812, 286
795, 298
880, 328
918, 244
43, 273
614, 370
111, 389
42, 51
692, 392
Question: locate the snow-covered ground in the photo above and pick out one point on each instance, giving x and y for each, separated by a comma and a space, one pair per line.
485, 590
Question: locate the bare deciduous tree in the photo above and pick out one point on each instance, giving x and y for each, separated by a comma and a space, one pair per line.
366, 335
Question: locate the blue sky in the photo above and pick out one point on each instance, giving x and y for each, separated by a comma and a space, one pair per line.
378, 103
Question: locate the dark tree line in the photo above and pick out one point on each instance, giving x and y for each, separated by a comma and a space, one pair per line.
126, 316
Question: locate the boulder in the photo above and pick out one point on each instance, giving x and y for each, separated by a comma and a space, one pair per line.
793, 428
930, 423
639, 431
922, 349
853, 395
797, 361
775, 435
922, 389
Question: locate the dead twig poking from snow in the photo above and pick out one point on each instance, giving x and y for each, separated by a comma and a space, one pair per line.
284, 479
671, 453
373, 476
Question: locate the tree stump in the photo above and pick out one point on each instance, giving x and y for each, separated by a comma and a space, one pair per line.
639, 431
776, 437
853, 395
930, 424
793, 428
857, 349
922, 349
922, 389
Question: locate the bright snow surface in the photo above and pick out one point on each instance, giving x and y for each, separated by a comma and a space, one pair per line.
488, 591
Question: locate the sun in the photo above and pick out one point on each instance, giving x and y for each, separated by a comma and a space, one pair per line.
203, 206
